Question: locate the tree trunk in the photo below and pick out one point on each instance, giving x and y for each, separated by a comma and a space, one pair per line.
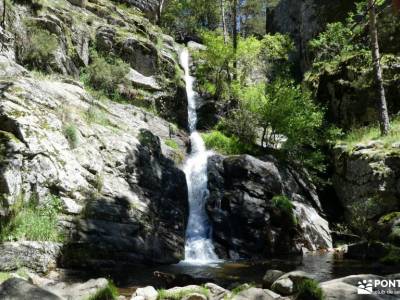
3, 21
382, 106
235, 36
160, 9
223, 21
263, 137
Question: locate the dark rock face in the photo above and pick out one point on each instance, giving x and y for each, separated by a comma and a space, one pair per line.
369, 173
349, 94
245, 225
112, 231
149, 7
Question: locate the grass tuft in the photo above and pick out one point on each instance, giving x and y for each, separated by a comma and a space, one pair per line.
33, 222
110, 292
364, 135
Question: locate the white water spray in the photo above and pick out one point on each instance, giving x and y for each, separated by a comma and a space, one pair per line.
198, 248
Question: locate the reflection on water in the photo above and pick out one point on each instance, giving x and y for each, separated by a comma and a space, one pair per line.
324, 266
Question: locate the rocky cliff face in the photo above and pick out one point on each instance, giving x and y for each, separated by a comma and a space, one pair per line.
123, 198
82, 28
368, 173
245, 222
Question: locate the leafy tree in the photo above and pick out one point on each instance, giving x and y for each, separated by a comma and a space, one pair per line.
187, 18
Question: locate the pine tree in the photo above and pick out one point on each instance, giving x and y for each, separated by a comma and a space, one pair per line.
382, 105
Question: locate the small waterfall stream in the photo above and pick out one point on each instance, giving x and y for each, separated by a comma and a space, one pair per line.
199, 248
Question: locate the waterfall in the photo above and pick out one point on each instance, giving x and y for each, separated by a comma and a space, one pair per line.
198, 248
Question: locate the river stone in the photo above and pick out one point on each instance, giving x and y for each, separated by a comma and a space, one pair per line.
195, 296
78, 291
286, 283
256, 294
147, 293
283, 286
19, 289
217, 292
40, 257
270, 277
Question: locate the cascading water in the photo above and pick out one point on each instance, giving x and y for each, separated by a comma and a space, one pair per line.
199, 248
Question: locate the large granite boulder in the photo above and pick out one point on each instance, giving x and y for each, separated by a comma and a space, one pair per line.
40, 257
19, 289
366, 179
245, 225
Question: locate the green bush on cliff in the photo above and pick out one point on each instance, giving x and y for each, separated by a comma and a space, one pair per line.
38, 51
33, 222
105, 74
71, 133
309, 290
285, 208
229, 145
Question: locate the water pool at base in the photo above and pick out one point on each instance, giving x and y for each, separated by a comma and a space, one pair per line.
325, 266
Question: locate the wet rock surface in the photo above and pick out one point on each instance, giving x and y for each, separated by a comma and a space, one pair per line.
244, 223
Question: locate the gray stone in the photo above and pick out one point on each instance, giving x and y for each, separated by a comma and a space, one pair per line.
286, 283
38, 256
19, 289
80, 3
140, 80
78, 291
217, 292
256, 294
270, 277
194, 296
147, 293
284, 286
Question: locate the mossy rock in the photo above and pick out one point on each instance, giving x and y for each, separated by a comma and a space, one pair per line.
388, 218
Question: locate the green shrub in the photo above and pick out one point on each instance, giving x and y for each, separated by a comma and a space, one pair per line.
218, 141
309, 290
389, 217
171, 143
110, 292
34, 222
39, 49
96, 115
105, 74
4, 276
71, 133
285, 207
